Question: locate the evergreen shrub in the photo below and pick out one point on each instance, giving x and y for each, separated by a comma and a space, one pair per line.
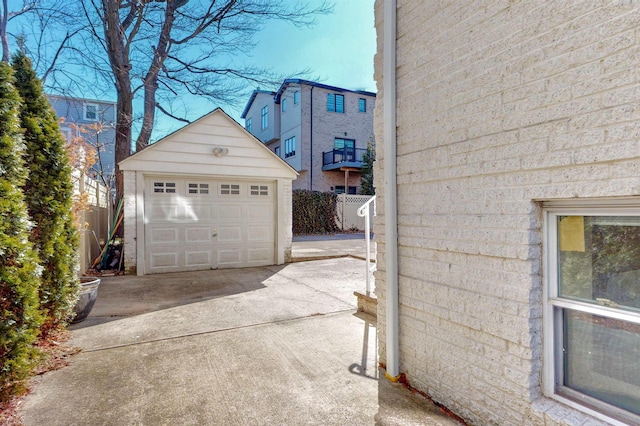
314, 212
49, 196
20, 317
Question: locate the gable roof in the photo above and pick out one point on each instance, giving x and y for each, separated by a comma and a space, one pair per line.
253, 98
214, 144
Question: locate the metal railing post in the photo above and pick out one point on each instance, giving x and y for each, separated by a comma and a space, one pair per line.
363, 211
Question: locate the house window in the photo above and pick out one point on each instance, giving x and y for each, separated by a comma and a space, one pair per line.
164, 187
259, 190
229, 189
66, 134
362, 105
91, 112
249, 125
339, 189
198, 188
265, 117
296, 97
290, 147
277, 151
592, 309
335, 103
284, 105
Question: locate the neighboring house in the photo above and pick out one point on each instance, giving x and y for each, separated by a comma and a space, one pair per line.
321, 131
207, 196
95, 121
512, 295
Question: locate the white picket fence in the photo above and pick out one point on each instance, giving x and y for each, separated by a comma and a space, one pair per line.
347, 212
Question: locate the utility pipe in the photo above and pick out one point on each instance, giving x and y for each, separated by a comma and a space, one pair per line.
390, 178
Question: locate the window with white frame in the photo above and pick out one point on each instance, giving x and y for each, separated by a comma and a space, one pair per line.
258, 190
296, 97
164, 187
283, 104
265, 117
592, 308
335, 102
229, 189
91, 112
249, 125
290, 147
197, 188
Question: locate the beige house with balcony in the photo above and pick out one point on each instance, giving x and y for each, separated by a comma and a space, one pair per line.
322, 131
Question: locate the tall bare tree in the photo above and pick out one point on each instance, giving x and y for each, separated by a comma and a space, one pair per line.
165, 48
155, 51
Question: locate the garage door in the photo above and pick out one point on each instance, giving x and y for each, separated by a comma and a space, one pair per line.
195, 224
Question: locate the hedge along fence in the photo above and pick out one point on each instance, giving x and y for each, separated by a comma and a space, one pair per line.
314, 212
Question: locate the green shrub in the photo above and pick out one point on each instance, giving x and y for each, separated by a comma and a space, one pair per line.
20, 317
48, 193
314, 212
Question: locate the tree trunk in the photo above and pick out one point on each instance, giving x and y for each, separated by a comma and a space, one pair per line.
123, 133
4, 18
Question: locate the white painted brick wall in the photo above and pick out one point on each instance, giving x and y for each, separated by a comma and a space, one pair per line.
500, 104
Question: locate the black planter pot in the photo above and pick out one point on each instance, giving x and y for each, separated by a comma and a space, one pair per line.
87, 298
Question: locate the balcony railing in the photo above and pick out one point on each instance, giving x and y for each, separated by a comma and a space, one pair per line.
349, 157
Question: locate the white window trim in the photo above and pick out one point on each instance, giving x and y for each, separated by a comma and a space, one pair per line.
586, 207
84, 111
202, 188
259, 190
232, 195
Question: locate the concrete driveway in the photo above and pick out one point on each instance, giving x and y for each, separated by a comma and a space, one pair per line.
280, 345
272, 345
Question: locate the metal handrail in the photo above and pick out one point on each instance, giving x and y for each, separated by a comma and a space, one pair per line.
363, 211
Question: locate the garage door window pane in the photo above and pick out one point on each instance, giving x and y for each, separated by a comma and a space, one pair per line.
229, 189
164, 187
259, 190
198, 188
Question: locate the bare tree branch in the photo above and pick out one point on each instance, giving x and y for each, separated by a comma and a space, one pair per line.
167, 113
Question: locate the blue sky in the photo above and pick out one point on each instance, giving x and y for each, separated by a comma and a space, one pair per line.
338, 50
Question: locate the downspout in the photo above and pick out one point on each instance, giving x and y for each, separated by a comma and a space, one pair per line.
311, 143
390, 194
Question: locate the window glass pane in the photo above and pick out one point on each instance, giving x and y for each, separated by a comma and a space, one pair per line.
265, 117
339, 103
599, 260
91, 112
331, 102
601, 358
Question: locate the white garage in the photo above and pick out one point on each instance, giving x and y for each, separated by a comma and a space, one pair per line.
208, 196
